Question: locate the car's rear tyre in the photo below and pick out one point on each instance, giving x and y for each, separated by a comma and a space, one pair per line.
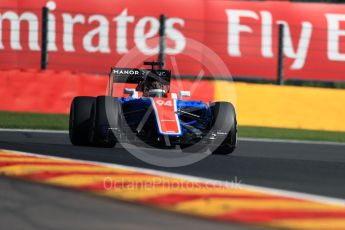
79, 120
105, 117
225, 121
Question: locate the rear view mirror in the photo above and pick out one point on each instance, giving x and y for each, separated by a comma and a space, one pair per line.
132, 92
184, 93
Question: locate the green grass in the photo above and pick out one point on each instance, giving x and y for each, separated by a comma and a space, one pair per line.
33, 121
60, 122
290, 134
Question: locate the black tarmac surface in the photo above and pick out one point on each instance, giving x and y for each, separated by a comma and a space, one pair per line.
302, 167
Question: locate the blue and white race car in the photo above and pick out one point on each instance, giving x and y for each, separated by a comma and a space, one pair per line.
158, 118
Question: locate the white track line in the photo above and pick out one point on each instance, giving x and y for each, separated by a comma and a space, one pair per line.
273, 191
268, 140
33, 130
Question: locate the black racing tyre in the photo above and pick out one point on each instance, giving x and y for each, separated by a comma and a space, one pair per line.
225, 121
79, 120
105, 117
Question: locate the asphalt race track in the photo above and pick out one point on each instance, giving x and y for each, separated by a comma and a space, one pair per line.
302, 167
311, 168
31, 206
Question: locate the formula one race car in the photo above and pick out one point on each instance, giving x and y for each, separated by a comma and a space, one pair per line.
158, 118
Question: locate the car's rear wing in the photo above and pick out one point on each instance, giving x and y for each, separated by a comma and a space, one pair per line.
135, 76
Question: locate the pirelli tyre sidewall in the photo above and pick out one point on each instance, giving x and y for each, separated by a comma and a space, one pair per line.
224, 126
105, 115
79, 120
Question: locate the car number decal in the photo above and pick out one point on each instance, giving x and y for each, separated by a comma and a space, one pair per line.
166, 116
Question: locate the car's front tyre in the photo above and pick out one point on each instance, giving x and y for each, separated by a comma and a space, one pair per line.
79, 120
105, 119
224, 122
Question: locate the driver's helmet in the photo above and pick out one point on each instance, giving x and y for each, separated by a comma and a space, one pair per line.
154, 89
151, 86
